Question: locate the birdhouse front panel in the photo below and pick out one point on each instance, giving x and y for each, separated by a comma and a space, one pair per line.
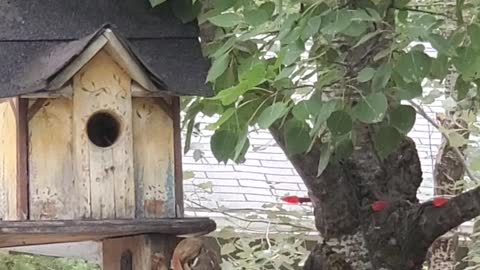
51, 176
103, 148
8, 160
154, 157
103, 151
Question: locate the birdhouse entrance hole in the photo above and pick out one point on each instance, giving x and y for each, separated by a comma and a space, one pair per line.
103, 129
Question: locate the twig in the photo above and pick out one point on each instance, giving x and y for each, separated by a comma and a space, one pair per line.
426, 12
267, 236
252, 220
455, 149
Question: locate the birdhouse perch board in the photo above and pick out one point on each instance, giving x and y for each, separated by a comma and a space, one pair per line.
90, 143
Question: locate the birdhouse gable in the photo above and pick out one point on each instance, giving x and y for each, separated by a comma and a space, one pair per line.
107, 42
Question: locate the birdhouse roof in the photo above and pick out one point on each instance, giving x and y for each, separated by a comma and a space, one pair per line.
40, 39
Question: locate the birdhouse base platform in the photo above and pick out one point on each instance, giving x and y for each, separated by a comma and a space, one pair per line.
24, 233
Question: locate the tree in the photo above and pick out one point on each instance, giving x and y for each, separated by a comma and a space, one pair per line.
337, 84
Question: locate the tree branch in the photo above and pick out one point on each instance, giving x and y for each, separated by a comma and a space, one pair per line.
434, 222
426, 12
455, 149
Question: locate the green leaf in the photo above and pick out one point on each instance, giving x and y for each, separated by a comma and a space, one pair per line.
222, 5
467, 62
225, 116
248, 80
336, 22
339, 123
356, 29
259, 15
188, 175
408, 91
285, 73
324, 112
387, 139
325, 153
384, 53
461, 87
327, 78
301, 110
366, 74
226, 20
297, 137
241, 149
414, 66
312, 27
473, 31
456, 140
362, 15
366, 38
272, 114
293, 52
381, 77
218, 67
243, 142
207, 186
188, 137
440, 44
256, 17
223, 144
403, 118
155, 3
440, 67
371, 109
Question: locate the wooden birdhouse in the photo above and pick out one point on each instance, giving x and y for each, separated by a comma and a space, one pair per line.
89, 123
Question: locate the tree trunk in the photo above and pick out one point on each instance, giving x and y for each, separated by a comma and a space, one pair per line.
356, 237
449, 169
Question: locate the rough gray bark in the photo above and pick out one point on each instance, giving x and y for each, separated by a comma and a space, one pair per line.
449, 169
354, 236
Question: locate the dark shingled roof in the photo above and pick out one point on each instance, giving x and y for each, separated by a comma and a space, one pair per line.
39, 38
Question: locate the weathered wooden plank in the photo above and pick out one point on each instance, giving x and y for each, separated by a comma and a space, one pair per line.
8, 161
126, 253
153, 159
149, 252
179, 207
106, 170
14, 233
52, 189
21, 112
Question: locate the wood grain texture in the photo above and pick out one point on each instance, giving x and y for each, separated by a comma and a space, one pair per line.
52, 189
46, 232
154, 159
8, 161
149, 252
136, 247
22, 158
178, 157
105, 175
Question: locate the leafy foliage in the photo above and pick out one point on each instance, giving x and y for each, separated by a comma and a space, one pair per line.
277, 63
316, 71
24, 262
